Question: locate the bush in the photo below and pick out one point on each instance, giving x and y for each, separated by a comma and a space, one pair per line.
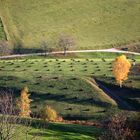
49, 114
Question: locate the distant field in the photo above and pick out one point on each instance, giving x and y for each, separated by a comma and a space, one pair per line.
93, 23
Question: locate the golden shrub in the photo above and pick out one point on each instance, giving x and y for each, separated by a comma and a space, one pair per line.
49, 114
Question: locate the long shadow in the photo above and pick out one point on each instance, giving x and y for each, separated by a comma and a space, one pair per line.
125, 93
68, 129
55, 97
63, 98
20, 50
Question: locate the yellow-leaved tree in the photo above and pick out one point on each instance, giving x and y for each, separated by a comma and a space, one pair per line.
121, 68
24, 103
49, 114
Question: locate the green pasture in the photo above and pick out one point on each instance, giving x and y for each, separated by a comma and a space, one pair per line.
59, 131
93, 23
60, 83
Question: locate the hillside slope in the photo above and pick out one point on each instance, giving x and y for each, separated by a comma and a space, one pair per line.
64, 89
94, 23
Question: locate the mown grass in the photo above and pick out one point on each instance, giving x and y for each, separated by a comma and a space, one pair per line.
60, 83
85, 55
59, 131
93, 23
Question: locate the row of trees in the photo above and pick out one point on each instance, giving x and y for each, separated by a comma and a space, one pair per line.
64, 43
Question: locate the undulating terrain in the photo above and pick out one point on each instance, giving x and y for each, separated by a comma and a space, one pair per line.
79, 86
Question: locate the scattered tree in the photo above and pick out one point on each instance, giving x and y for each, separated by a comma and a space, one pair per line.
66, 42
18, 47
4, 48
49, 114
24, 103
121, 68
45, 47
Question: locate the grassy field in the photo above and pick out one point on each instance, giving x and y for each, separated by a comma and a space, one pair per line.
93, 23
58, 131
84, 55
60, 83
131, 88
2, 34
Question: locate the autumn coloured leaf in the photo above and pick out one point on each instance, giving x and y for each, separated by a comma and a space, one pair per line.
121, 68
24, 103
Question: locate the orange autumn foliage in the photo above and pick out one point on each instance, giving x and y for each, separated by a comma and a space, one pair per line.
24, 103
121, 68
49, 114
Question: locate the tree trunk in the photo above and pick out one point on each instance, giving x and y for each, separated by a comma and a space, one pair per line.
65, 51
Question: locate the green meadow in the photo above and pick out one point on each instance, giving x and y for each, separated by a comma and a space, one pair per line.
60, 131
64, 83
78, 86
94, 24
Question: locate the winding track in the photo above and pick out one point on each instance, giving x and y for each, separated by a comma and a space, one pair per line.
76, 51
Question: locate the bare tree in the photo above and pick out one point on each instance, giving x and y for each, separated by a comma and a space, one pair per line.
11, 125
66, 42
4, 48
45, 47
117, 129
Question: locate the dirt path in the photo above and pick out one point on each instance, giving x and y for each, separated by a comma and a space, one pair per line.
76, 51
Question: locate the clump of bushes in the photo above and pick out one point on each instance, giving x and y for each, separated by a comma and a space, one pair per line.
49, 114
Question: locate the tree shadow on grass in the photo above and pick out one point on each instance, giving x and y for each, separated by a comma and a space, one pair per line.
127, 94
56, 97
69, 131
71, 100
20, 50
39, 96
